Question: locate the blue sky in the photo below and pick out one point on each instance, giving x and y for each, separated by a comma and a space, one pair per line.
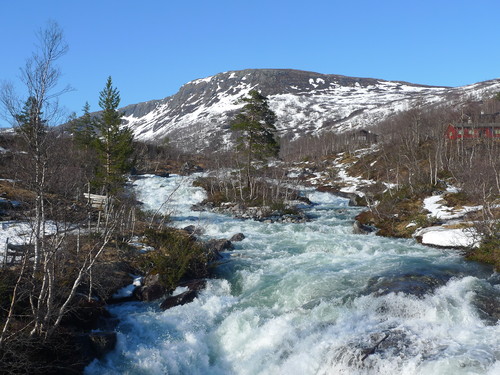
153, 47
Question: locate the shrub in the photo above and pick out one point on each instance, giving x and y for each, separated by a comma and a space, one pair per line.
176, 256
487, 252
457, 199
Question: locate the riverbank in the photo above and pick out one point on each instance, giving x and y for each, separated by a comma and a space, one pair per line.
439, 215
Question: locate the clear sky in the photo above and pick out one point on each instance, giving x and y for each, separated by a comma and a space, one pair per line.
153, 47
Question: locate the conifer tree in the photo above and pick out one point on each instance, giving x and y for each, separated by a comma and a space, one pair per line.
257, 132
113, 144
83, 129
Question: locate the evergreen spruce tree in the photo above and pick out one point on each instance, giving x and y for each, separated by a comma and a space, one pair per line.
257, 132
113, 144
83, 129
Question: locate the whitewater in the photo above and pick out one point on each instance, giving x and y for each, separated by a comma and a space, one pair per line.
310, 298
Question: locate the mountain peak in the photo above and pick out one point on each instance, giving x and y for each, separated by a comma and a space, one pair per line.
199, 114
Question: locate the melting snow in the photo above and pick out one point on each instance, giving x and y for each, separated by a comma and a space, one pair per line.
448, 237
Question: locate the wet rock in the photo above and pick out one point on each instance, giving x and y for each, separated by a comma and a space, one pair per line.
417, 284
203, 206
219, 245
304, 200
213, 248
101, 343
180, 299
487, 303
196, 284
149, 293
358, 228
193, 230
150, 290
162, 174
237, 237
357, 353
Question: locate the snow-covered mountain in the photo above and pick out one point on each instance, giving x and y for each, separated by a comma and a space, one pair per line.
199, 115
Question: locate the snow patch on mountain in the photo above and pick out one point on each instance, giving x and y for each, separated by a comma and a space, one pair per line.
199, 115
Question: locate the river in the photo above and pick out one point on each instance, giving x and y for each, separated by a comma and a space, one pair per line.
311, 298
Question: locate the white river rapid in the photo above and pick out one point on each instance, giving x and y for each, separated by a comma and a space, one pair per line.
311, 298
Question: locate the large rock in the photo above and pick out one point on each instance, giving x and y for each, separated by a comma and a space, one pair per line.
196, 284
151, 289
219, 245
180, 299
486, 300
358, 228
213, 248
237, 237
417, 283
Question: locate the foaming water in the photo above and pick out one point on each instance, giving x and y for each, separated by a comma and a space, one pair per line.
311, 298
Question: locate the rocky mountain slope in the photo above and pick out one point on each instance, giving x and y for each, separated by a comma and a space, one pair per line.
198, 116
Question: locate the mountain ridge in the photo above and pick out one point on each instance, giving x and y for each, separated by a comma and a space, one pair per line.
199, 114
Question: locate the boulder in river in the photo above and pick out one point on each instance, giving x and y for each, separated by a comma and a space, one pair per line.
417, 283
219, 245
151, 289
358, 228
237, 237
180, 299
196, 284
486, 300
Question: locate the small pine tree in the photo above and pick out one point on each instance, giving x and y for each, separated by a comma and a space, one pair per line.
112, 143
257, 132
83, 129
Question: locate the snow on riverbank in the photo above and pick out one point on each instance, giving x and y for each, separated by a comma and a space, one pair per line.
438, 209
448, 237
444, 236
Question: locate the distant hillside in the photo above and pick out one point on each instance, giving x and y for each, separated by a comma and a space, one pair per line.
198, 116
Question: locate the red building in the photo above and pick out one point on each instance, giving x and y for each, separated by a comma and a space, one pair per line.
473, 130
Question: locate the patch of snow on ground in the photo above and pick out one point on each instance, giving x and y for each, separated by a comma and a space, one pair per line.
19, 233
443, 212
447, 237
